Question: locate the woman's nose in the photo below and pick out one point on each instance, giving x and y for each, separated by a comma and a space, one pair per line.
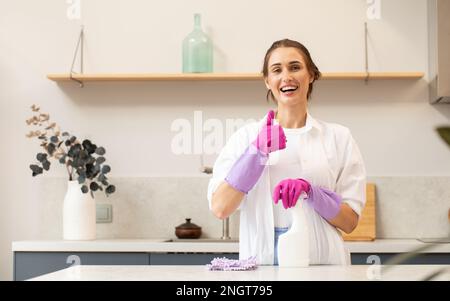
286, 77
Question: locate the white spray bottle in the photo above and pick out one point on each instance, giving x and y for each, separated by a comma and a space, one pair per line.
293, 246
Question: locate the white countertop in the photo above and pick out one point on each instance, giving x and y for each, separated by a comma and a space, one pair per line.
262, 273
160, 245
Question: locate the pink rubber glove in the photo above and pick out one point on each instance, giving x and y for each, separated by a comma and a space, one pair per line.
247, 170
271, 137
326, 202
289, 191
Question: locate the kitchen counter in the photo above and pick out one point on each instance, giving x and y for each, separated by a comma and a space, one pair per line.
262, 273
203, 246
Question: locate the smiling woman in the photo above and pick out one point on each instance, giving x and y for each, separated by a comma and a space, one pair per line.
287, 155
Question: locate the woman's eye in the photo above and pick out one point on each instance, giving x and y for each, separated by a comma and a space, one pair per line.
276, 70
296, 68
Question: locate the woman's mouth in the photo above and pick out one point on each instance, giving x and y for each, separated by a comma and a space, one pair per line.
288, 90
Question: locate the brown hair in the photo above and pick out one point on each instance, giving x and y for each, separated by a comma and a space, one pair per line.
312, 68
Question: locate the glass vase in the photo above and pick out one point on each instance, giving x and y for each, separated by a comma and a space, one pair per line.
197, 50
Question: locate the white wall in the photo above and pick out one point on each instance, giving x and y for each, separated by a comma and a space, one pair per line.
391, 120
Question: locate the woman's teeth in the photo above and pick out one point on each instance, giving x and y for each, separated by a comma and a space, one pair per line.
288, 89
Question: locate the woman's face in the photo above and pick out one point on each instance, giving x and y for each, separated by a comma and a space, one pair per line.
288, 76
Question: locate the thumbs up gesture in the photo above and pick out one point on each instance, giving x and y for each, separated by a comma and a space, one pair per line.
271, 137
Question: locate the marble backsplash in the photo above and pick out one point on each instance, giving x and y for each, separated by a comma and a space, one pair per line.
406, 207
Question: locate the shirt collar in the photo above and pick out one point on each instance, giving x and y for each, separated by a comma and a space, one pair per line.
310, 122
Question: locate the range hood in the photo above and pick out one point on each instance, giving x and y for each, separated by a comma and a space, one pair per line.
439, 50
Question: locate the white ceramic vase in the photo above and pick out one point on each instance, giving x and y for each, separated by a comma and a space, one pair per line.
293, 246
79, 221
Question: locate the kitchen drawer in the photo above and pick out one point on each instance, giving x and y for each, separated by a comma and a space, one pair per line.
31, 264
423, 258
187, 259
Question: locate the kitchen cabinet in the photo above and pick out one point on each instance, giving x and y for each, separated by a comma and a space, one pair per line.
423, 258
187, 259
32, 264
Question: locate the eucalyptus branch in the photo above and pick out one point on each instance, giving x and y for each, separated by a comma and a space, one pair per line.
83, 160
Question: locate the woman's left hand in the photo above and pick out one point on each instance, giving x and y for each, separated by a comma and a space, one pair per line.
289, 190
325, 202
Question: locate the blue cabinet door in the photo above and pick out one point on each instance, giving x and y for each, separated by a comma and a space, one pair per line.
32, 264
423, 258
187, 259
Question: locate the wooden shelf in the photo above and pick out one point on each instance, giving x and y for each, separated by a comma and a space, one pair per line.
373, 75
156, 77
222, 76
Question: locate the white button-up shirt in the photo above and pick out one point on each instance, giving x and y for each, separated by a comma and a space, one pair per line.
329, 158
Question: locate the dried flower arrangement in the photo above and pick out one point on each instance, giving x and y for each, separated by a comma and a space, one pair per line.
84, 161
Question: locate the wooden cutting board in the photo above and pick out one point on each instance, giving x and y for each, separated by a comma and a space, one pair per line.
366, 230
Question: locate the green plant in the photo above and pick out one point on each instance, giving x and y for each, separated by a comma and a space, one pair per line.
84, 161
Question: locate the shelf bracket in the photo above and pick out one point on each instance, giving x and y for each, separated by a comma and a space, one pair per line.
78, 47
366, 54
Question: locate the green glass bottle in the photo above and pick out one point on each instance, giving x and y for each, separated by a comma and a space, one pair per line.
197, 50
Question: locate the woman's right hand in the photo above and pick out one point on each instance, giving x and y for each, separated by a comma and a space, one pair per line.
246, 171
271, 137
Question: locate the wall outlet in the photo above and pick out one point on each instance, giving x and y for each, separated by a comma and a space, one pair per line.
103, 213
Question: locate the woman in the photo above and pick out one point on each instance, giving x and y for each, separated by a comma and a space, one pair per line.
285, 155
